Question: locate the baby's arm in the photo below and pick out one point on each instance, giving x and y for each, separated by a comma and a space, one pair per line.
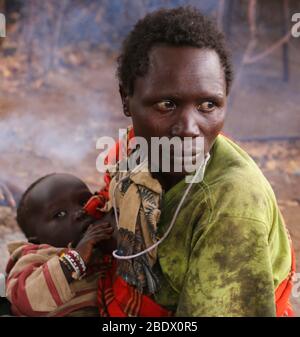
36, 284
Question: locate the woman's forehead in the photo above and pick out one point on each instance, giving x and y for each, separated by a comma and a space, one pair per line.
183, 68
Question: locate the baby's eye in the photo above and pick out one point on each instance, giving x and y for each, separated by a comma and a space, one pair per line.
207, 106
165, 106
60, 214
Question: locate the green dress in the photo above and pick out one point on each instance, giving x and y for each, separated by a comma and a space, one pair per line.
229, 248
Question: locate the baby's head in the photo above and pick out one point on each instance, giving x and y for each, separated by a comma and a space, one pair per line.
51, 210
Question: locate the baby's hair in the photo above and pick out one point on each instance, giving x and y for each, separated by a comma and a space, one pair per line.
22, 210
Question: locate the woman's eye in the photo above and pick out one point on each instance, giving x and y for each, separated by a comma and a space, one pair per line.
60, 214
165, 106
207, 106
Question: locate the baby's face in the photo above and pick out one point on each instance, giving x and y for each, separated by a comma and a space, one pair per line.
55, 206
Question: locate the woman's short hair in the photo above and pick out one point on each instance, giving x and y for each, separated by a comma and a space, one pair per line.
182, 26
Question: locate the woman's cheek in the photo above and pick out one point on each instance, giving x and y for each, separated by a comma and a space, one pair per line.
148, 124
215, 122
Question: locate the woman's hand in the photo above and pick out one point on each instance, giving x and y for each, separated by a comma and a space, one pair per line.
97, 232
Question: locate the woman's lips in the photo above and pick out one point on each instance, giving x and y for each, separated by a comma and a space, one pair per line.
186, 153
187, 158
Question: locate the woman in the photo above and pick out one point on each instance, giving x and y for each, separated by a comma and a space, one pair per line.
228, 252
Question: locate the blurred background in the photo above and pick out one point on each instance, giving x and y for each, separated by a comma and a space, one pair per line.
59, 93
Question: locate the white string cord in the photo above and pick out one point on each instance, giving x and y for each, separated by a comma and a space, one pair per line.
128, 257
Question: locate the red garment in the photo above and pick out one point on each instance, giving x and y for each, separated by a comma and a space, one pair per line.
97, 201
283, 292
117, 298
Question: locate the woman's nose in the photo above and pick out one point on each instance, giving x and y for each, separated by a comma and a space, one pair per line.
186, 125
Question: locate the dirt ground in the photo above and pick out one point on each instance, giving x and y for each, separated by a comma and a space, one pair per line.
53, 127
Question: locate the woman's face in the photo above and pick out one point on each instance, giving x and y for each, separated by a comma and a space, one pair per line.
183, 94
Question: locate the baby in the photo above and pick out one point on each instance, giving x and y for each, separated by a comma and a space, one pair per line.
55, 273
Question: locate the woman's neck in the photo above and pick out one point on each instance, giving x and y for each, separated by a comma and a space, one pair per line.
167, 181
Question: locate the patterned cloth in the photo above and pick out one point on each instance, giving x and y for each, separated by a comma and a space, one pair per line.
137, 197
137, 201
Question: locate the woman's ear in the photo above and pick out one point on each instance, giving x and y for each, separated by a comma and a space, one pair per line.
125, 101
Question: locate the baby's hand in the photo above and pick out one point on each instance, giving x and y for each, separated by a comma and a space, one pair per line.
101, 230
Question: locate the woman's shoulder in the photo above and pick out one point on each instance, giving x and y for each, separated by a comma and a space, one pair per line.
232, 168
228, 159
235, 184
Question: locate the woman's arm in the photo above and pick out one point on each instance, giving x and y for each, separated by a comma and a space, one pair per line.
230, 271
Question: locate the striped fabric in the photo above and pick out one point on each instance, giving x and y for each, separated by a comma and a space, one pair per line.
36, 284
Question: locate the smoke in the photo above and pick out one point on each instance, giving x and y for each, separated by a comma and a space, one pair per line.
62, 42
57, 128
43, 138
